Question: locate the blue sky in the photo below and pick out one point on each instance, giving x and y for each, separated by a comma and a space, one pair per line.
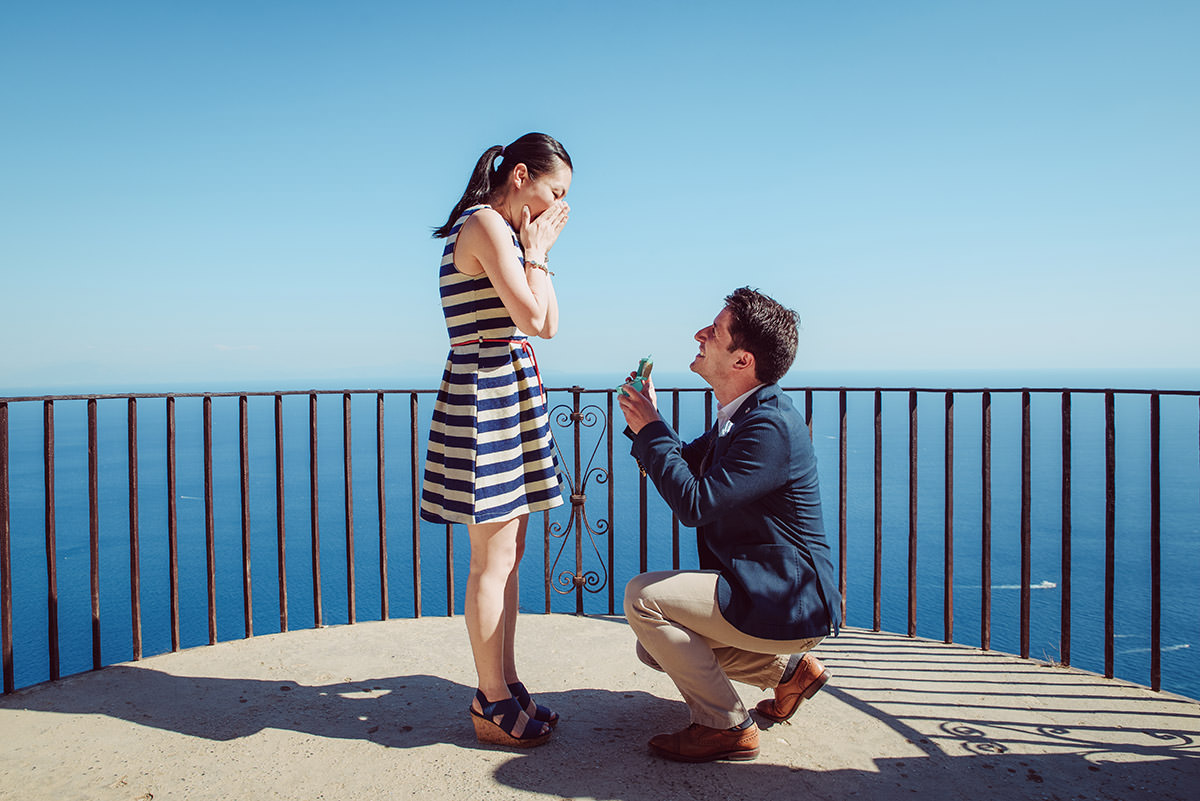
240, 195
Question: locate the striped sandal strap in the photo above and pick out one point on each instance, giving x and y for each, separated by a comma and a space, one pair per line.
509, 716
534, 710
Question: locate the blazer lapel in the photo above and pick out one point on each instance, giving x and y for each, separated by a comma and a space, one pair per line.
710, 451
719, 443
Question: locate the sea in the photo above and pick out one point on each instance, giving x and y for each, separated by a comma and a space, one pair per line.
552, 545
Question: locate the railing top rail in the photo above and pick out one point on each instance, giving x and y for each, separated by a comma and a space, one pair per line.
970, 390
248, 394
584, 390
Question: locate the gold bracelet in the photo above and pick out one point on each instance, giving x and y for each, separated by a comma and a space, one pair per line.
539, 265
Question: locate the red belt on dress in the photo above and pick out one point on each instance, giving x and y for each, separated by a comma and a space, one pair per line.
524, 343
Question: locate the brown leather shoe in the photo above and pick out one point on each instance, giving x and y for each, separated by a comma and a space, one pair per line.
810, 676
699, 743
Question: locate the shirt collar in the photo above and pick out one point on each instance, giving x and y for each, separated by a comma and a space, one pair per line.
726, 412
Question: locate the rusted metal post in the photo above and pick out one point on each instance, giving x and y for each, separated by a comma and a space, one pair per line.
1155, 546
877, 621
172, 525
381, 493
280, 508
449, 570
1110, 528
51, 539
577, 495
94, 529
135, 568
611, 509
244, 484
1064, 646
1026, 526
6, 599
843, 451
209, 526
948, 526
675, 517
808, 410
985, 560
912, 513
347, 474
547, 567
314, 510
415, 484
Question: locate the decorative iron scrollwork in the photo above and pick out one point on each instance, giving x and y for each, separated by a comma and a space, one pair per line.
577, 579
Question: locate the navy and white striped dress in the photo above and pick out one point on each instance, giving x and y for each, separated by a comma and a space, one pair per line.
491, 454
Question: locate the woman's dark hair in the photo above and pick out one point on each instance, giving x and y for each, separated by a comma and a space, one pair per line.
767, 329
537, 151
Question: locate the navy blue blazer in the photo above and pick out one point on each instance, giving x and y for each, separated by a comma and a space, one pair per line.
757, 513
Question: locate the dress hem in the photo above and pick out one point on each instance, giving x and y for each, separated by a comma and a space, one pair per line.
430, 516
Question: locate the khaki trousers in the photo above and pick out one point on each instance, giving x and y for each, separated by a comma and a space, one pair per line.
681, 631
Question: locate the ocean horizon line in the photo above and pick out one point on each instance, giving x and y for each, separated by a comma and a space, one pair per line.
1115, 378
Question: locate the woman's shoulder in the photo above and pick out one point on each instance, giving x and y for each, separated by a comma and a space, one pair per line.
485, 223
484, 217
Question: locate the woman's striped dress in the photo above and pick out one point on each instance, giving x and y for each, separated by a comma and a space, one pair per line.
491, 454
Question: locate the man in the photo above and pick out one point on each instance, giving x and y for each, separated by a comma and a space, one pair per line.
765, 593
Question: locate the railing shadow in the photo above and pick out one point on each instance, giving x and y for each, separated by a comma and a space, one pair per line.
969, 778
408, 711
870, 733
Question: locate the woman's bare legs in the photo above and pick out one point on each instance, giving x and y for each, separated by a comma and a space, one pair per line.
512, 605
491, 602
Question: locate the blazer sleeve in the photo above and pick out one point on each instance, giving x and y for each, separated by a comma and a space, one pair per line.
692, 452
751, 464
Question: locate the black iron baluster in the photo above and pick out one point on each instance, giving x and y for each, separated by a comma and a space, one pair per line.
314, 510
1065, 571
843, 451
172, 525
415, 485
94, 529
1026, 529
6, 596
1155, 547
347, 474
51, 539
985, 560
280, 528
209, 527
244, 482
380, 489
135, 569
1110, 528
948, 518
912, 513
877, 620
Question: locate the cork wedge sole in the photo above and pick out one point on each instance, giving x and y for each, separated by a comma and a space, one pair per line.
489, 732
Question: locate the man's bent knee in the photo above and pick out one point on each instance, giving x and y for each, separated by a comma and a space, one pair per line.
646, 659
634, 592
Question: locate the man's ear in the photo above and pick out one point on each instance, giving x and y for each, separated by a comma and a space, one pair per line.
745, 361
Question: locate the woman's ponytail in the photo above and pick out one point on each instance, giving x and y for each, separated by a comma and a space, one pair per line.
537, 151
478, 188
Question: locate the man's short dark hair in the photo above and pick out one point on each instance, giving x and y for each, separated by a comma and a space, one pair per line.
766, 329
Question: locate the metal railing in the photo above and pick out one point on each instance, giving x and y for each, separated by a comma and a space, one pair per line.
590, 565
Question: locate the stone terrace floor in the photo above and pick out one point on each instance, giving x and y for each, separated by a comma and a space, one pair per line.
378, 710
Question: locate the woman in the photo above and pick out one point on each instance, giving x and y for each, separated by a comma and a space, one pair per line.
491, 456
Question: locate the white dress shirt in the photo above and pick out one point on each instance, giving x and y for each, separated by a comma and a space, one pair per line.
725, 413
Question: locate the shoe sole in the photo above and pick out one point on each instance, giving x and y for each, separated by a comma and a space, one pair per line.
742, 755
809, 691
486, 731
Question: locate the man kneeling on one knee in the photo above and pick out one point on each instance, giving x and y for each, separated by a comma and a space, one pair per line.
765, 593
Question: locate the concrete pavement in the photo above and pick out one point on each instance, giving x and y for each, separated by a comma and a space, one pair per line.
378, 710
